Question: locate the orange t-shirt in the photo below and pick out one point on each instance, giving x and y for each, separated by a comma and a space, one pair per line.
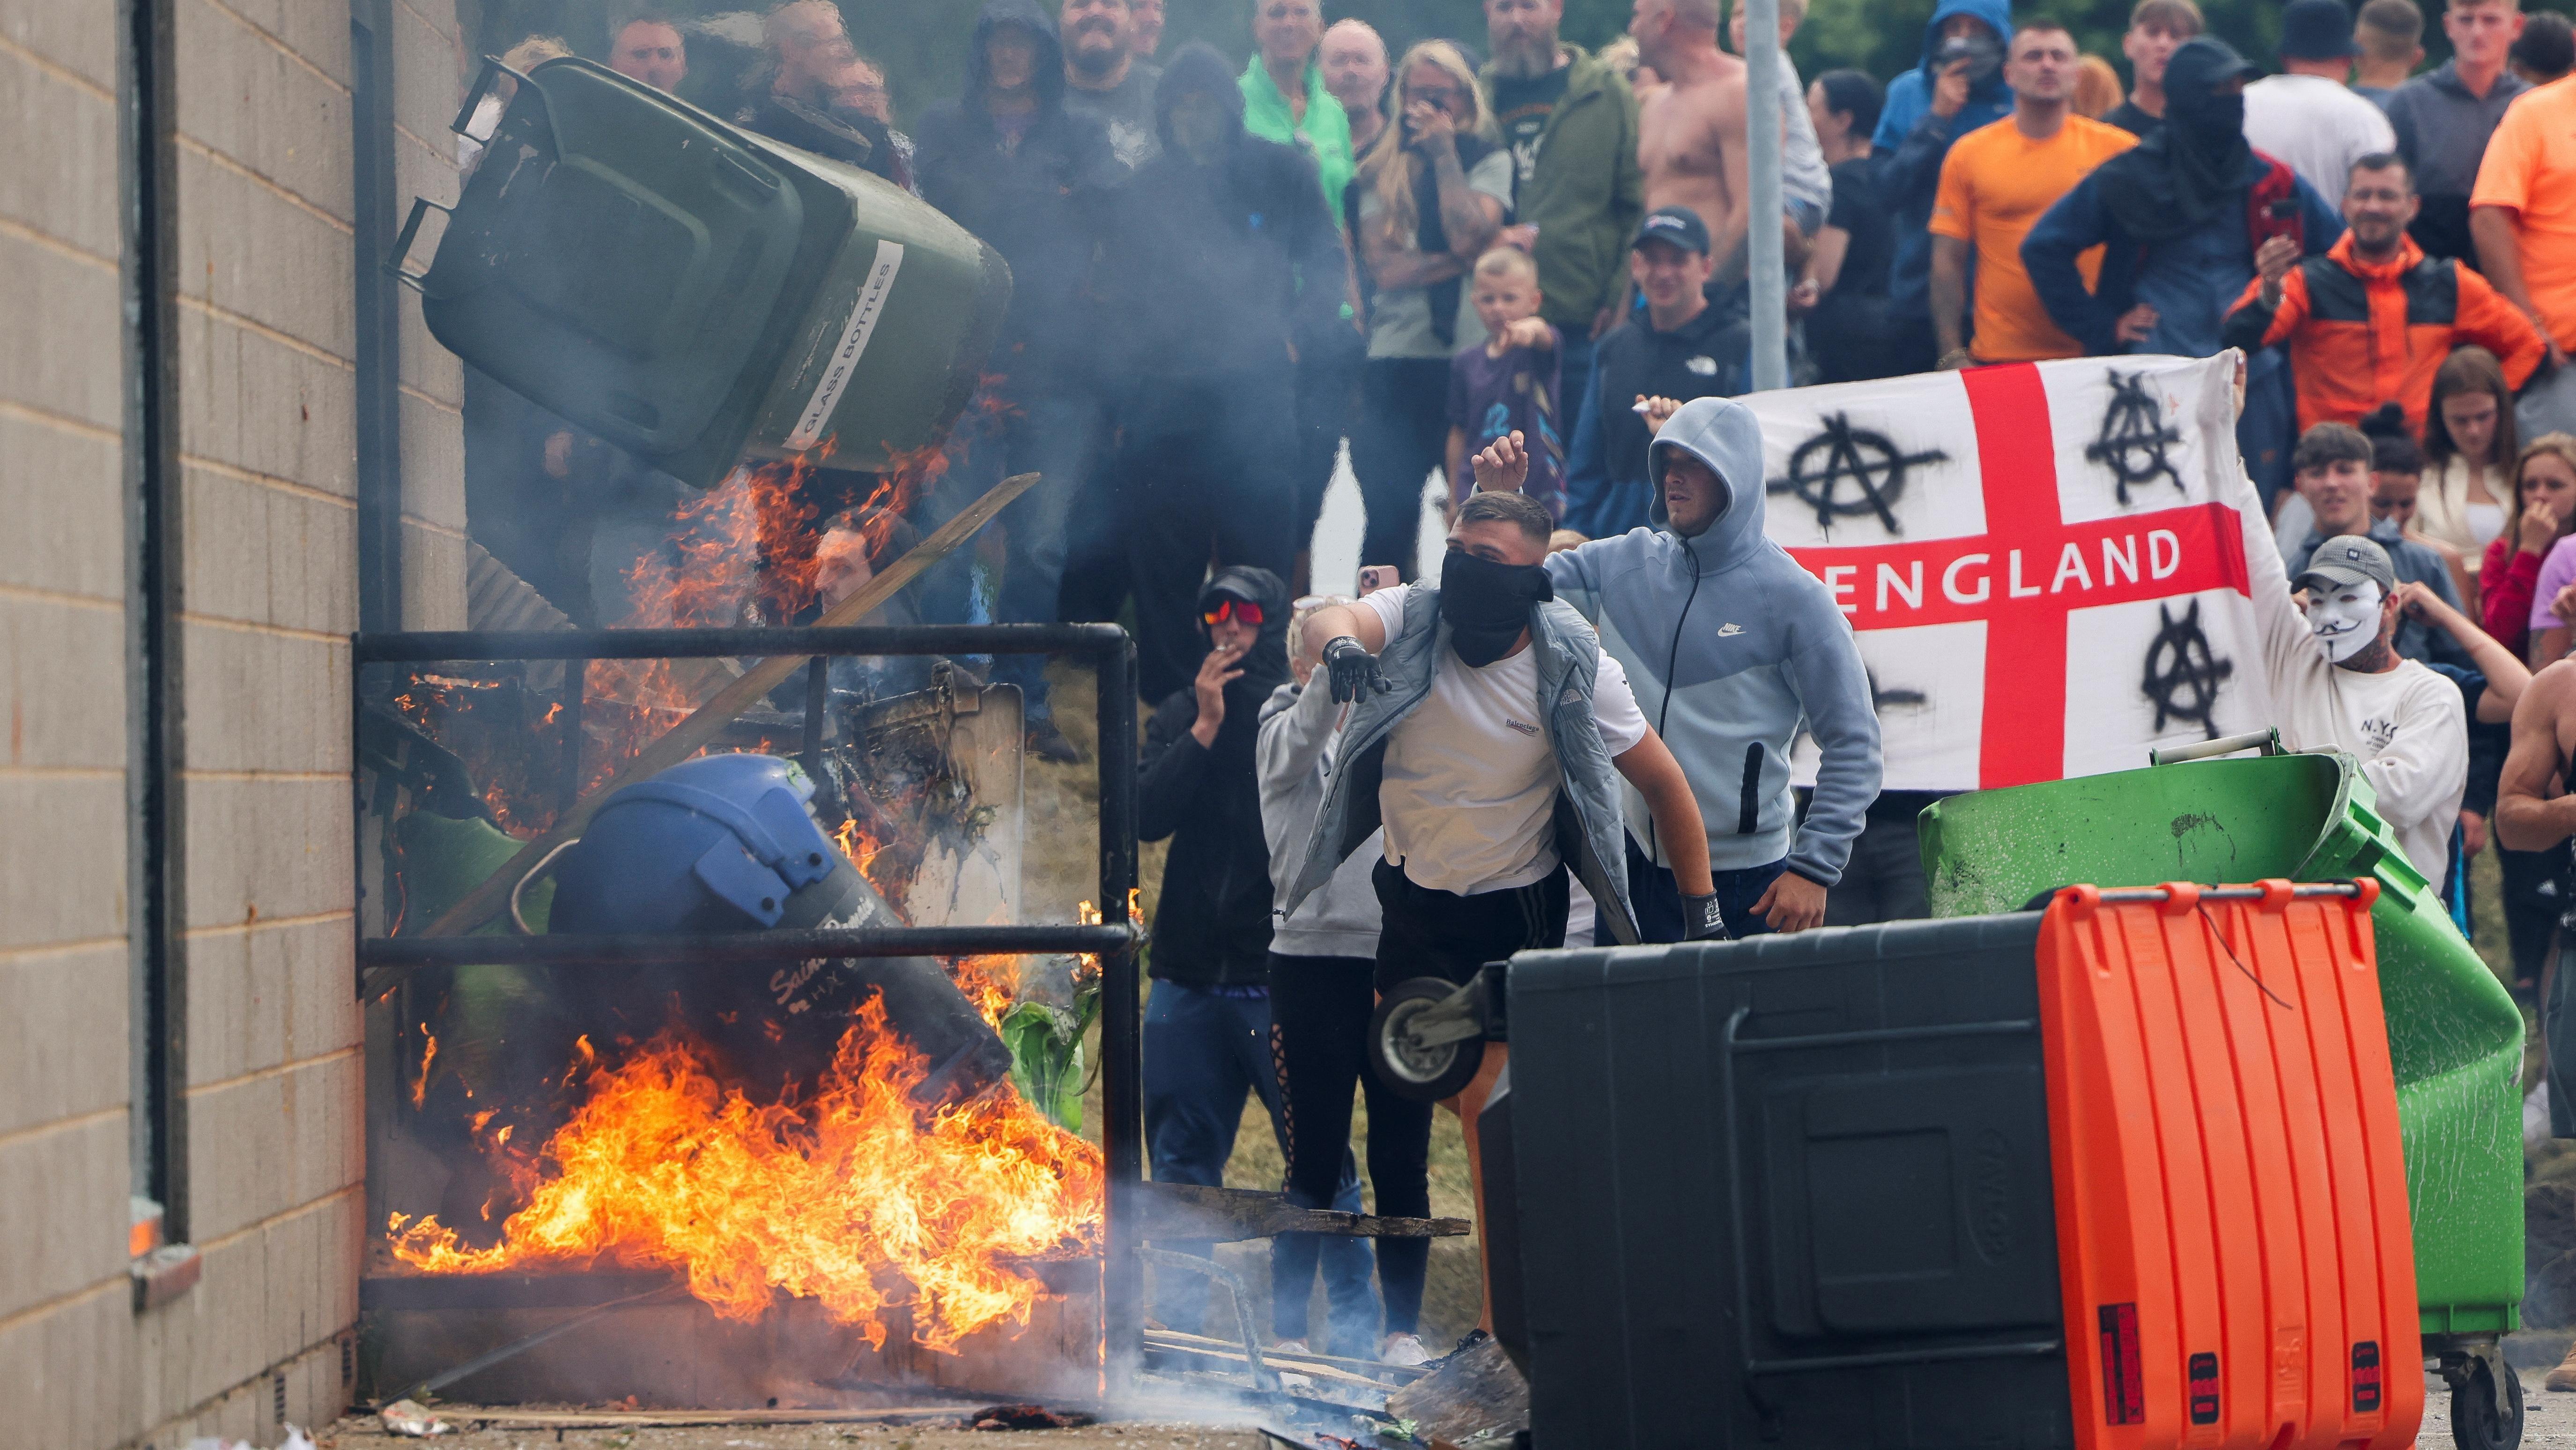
1995, 183
2530, 166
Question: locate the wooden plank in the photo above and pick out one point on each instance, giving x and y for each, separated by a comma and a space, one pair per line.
1175, 1339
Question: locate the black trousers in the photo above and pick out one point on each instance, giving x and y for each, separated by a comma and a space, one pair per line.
1327, 397
2531, 906
1426, 932
1205, 476
1319, 1016
1402, 434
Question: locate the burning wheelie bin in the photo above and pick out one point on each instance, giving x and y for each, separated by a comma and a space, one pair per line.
2454, 1035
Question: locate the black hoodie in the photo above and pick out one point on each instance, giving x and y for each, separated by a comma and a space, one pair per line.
1219, 268
1037, 201
1702, 358
1212, 925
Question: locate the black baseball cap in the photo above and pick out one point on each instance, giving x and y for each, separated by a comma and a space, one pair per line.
2316, 30
1680, 226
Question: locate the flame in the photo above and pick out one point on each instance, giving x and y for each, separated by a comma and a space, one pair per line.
428, 1055
662, 1166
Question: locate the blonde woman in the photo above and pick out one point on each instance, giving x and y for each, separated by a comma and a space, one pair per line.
1432, 193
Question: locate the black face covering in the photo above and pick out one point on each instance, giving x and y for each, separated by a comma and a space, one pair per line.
2194, 167
1486, 605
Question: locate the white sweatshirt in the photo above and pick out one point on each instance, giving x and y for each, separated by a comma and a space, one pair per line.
2406, 726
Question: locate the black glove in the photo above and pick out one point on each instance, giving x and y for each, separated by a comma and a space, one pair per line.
1354, 669
1702, 921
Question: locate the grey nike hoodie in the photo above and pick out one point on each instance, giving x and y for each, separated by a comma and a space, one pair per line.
1731, 646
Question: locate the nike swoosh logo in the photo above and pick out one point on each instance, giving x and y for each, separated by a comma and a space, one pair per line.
1729, 629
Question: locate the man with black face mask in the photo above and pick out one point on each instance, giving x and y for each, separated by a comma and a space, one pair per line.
1489, 733
2183, 214
1734, 648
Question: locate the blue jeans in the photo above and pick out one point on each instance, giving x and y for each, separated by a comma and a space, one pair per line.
1053, 437
1658, 900
1204, 1048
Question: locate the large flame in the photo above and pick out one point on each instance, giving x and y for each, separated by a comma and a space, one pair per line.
852, 1196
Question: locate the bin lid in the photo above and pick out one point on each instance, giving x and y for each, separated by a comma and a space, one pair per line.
616, 258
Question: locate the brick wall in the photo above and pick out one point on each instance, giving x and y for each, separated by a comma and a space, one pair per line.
266, 391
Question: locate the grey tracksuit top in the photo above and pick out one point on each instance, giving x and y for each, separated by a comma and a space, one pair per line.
1731, 645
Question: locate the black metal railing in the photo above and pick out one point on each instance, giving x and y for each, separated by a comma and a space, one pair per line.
1112, 657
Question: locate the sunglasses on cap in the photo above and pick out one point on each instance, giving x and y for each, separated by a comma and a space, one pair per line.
1241, 610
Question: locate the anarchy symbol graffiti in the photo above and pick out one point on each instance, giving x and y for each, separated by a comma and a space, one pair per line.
2183, 674
2134, 438
1867, 460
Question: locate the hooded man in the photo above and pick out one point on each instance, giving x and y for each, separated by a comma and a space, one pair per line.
1220, 257
1958, 88
1207, 1024
1732, 648
2185, 214
1009, 163
1487, 736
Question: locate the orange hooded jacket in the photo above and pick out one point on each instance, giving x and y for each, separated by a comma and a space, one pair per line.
2363, 333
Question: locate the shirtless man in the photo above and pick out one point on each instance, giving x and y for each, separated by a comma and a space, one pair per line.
2535, 812
1691, 138
1690, 130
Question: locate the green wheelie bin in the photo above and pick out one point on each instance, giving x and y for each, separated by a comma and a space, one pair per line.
2455, 1035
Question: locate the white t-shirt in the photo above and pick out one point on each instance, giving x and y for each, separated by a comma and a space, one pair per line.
2317, 126
1470, 784
2407, 726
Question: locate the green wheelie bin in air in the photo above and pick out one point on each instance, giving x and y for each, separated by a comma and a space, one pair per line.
696, 294
2454, 1034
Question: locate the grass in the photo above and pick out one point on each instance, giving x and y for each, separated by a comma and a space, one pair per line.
1062, 867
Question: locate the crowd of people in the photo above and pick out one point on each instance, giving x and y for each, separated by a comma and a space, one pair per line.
1523, 267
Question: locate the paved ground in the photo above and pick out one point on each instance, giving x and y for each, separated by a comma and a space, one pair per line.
362, 1433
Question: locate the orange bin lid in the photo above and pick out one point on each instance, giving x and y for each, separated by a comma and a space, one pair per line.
2233, 1239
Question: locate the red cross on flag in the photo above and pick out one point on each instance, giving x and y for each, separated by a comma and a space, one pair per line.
2043, 580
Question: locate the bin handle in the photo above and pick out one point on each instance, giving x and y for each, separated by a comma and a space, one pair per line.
2267, 741
420, 208
490, 76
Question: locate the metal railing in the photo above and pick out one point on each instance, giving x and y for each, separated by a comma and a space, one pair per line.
383, 961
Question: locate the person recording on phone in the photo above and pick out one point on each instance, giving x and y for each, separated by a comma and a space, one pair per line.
1207, 1024
1487, 737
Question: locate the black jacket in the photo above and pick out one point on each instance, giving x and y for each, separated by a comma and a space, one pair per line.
1038, 203
1219, 268
1212, 924
1703, 358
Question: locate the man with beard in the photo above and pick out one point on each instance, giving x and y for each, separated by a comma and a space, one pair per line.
2180, 218
1219, 255
1571, 124
2373, 319
1491, 732
1208, 1037
1011, 164
1105, 80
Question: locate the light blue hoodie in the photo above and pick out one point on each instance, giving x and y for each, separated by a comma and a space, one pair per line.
1731, 646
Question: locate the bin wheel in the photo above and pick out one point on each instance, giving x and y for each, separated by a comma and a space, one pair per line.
1425, 1074
2475, 1425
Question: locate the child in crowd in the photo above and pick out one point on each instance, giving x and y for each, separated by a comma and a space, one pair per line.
1508, 382
2396, 483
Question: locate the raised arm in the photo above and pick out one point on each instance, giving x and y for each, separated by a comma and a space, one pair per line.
2506, 676
2531, 814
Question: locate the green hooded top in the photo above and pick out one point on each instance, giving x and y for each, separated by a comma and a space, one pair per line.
1326, 136
1586, 194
